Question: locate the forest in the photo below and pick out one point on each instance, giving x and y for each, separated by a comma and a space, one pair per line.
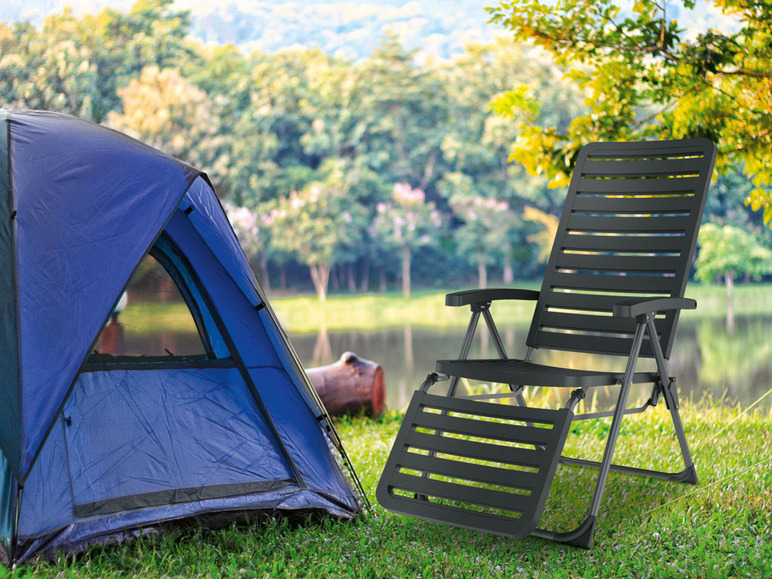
354, 175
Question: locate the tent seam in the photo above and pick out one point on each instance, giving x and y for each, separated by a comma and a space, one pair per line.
230, 344
15, 282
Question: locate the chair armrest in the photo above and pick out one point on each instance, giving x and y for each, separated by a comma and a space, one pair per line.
637, 307
478, 296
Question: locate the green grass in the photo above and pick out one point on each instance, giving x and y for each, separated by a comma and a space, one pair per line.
369, 312
647, 528
149, 318
376, 311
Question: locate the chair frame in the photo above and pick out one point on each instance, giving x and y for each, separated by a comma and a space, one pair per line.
667, 212
644, 312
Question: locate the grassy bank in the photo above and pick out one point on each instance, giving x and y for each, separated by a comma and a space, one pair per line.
375, 311
367, 312
719, 528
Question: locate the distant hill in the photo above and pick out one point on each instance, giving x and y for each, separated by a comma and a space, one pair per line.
347, 29
344, 28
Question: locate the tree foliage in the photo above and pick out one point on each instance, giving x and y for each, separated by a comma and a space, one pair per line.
642, 75
406, 223
730, 252
486, 235
391, 168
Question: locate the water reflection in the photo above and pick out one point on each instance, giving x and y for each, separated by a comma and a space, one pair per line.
727, 362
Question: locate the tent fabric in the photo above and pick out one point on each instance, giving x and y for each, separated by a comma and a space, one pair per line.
285, 407
97, 447
83, 197
99, 530
211, 223
138, 439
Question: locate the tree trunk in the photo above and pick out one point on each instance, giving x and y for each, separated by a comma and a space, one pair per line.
729, 279
364, 286
283, 277
509, 271
351, 273
334, 278
350, 385
482, 275
322, 347
406, 259
320, 275
262, 267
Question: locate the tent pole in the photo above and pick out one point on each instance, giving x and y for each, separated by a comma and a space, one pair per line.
15, 531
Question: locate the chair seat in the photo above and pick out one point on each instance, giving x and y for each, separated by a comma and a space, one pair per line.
525, 373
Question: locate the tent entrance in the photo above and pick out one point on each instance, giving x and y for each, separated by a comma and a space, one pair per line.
160, 317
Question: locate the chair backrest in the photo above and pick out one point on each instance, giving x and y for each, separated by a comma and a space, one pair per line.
628, 229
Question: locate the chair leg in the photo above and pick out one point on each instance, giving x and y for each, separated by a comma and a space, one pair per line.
494, 332
582, 536
465, 347
689, 473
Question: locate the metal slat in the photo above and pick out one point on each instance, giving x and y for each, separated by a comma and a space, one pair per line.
614, 204
628, 224
461, 493
502, 411
515, 479
648, 149
646, 168
588, 323
675, 186
472, 449
516, 372
586, 343
593, 302
614, 283
625, 263
625, 243
483, 429
479, 521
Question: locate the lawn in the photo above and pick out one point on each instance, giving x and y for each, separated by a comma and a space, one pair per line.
368, 312
720, 528
648, 528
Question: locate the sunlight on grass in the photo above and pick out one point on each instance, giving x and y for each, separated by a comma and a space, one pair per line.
305, 314
143, 318
647, 528
369, 312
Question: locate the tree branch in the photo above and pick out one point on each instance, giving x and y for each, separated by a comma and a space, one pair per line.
747, 73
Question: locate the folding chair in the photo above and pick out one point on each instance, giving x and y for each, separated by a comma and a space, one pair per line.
614, 284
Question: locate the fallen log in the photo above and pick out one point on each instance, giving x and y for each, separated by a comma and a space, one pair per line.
350, 385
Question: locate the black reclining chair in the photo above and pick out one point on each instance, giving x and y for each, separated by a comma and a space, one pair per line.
614, 284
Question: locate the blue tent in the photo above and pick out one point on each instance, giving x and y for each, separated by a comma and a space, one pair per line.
94, 450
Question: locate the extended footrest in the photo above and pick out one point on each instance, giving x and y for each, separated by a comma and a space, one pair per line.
474, 464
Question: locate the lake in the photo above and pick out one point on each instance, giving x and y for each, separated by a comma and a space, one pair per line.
727, 359
730, 365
